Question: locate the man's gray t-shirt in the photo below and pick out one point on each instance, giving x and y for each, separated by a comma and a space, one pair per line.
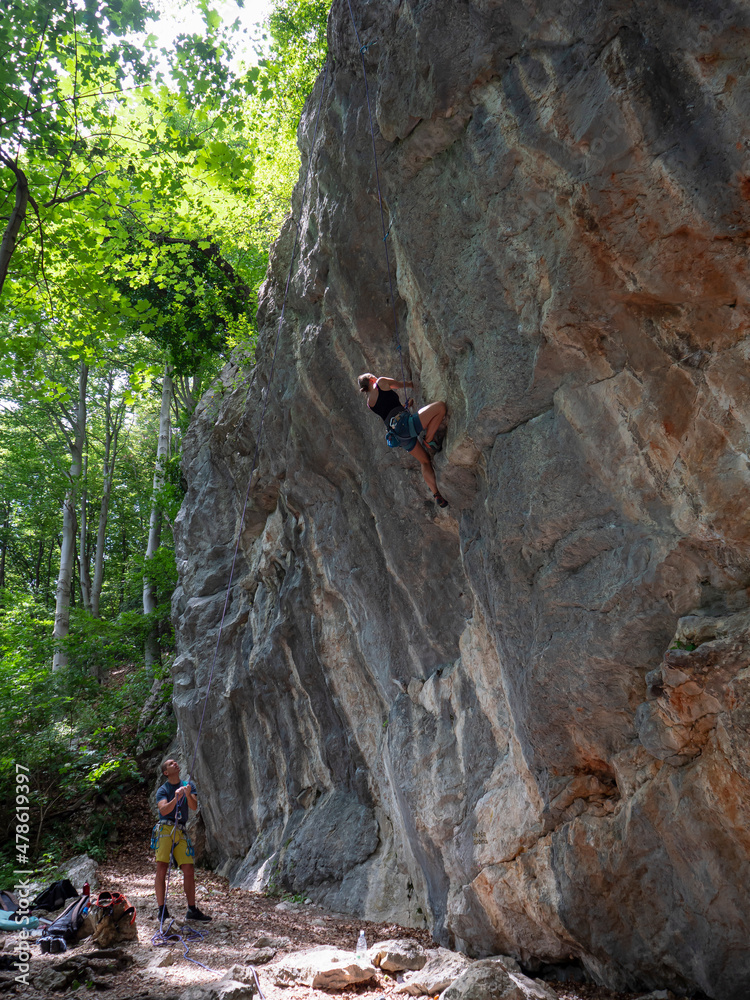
166, 791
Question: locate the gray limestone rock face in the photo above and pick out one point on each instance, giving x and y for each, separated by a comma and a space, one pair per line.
520, 721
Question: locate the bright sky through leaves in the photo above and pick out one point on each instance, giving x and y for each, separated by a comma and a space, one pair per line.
185, 17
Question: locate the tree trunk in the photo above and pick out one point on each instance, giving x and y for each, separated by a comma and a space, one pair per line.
4, 548
67, 550
38, 568
125, 552
111, 434
84, 550
48, 588
154, 528
17, 216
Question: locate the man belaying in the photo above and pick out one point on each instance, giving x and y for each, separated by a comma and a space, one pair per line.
414, 432
170, 840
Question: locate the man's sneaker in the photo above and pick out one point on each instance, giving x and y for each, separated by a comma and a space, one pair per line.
193, 913
440, 500
162, 913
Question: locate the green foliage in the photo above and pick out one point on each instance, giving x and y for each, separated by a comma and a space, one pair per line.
144, 240
78, 737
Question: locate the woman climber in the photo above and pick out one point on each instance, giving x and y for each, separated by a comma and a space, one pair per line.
420, 440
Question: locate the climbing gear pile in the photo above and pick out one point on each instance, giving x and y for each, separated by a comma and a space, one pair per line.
114, 918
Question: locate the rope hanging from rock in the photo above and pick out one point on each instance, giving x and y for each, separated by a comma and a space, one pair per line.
162, 938
362, 50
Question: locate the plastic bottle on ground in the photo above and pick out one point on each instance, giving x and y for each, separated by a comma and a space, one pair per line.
361, 945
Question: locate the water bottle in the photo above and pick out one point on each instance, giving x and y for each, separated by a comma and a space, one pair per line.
86, 891
361, 945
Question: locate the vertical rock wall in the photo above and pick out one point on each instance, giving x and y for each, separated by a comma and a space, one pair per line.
521, 721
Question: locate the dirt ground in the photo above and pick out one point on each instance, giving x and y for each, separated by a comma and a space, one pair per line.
239, 920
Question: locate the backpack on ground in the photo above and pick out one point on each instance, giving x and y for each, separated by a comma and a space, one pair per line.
55, 895
114, 918
401, 428
73, 924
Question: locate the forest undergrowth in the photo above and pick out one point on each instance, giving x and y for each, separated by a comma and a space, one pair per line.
140, 192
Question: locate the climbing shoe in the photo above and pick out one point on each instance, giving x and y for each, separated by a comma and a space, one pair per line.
162, 913
431, 447
193, 913
440, 500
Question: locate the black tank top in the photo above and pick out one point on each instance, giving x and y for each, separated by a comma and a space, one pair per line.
386, 403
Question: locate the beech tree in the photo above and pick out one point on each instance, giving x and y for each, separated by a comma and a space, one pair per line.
61, 65
138, 216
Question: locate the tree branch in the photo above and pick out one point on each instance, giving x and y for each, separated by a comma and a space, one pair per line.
17, 217
66, 100
34, 205
75, 194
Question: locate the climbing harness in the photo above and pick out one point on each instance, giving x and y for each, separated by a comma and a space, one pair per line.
403, 429
362, 50
190, 935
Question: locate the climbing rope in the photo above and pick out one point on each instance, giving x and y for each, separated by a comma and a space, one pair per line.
362, 50
190, 936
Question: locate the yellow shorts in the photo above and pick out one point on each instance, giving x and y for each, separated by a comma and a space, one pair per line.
161, 840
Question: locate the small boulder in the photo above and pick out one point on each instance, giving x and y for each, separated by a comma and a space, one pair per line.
225, 989
282, 943
49, 980
442, 968
79, 870
490, 979
398, 955
322, 968
508, 961
259, 956
240, 974
162, 959
487, 979
533, 989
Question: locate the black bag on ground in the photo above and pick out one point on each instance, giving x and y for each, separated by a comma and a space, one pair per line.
72, 925
54, 896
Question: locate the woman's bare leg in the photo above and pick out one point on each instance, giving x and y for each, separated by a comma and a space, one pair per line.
431, 417
424, 460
